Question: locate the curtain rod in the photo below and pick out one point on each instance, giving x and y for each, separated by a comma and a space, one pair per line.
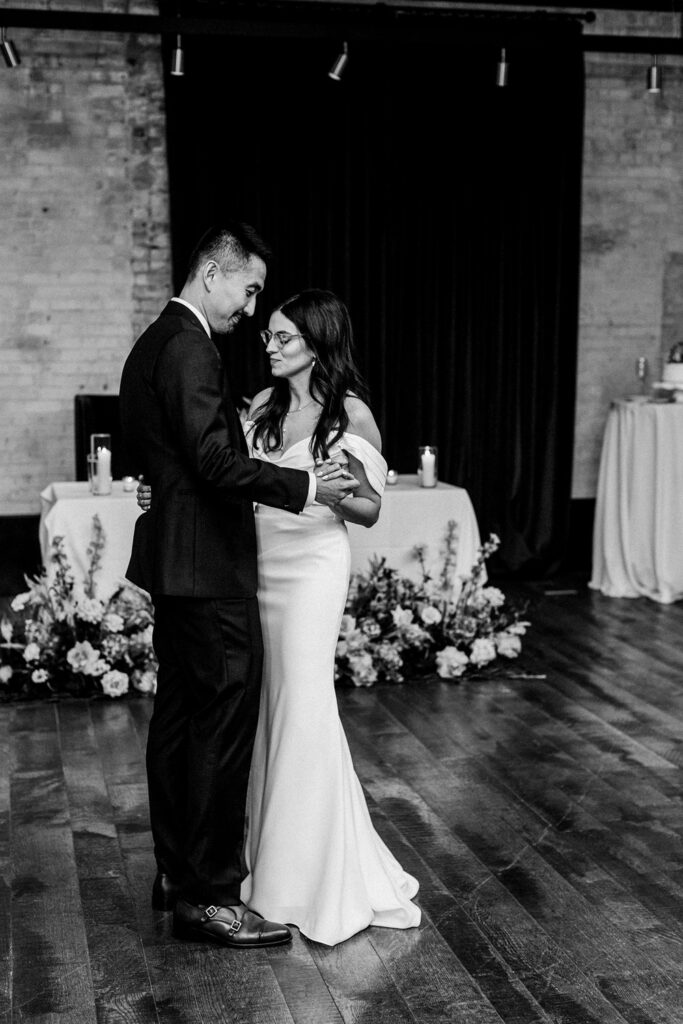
530, 27
369, 23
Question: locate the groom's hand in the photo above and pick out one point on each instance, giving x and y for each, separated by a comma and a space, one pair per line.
331, 492
144, 496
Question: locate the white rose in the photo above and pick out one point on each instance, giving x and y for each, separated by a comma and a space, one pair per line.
356, 641
115, 683
364, 672
113, 622
348, 624
6, 673
96, 668
39, 675
82, 657
483, 651
414, 634
342, 648
145, 682
6, 629
430, 615
451, 662
402, 616
31, 652
20, 601
89, 609
494, 596
508, 645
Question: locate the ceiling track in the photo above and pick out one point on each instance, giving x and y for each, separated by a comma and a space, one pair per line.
524, 28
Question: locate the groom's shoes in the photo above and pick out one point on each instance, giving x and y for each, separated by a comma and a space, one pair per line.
164, 892
221, 925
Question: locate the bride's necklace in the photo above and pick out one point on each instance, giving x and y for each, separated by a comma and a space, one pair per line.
293, 412
290, 412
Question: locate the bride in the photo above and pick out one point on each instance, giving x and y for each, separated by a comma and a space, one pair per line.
311, 852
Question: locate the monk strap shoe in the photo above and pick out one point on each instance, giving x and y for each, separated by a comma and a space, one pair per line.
222, 926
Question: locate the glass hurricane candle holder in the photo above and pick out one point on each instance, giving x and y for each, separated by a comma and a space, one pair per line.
92, 472
100, 453
427, 468
98, 441
642, 373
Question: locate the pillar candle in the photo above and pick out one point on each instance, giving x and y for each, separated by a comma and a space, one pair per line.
103, 470
428, 460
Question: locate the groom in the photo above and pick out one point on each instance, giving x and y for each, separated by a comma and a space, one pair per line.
195, 553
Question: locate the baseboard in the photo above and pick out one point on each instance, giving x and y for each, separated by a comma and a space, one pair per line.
19, 552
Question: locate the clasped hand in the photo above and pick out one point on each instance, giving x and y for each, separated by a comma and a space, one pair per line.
333, 484
334, 481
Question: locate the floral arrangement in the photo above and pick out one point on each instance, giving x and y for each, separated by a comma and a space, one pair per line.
395, 628
64, 640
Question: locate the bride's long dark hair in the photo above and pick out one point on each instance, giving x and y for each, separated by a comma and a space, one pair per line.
325, 324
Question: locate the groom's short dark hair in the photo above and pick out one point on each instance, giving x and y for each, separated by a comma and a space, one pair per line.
231, 245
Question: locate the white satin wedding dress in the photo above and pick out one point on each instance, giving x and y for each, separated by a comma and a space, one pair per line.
313, 856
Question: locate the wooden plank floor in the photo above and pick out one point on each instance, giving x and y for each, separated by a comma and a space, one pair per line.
543, 816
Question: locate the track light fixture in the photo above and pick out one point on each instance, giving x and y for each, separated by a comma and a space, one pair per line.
654, 77
502, 68
178, 58
9, 50
337, 69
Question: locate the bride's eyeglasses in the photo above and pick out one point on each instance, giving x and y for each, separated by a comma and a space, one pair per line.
281, 338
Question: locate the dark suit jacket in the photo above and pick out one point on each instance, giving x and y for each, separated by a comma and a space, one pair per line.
181, 430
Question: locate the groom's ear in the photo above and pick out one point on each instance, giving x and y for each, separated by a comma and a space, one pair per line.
209, 272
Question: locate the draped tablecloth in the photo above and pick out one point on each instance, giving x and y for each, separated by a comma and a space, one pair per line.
67, 510
637, 548
410, 515
414, 515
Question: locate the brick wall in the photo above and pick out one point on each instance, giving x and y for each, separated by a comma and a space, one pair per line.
632, 249
84, 246
84, 256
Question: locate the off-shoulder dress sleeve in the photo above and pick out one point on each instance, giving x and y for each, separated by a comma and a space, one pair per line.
374, 463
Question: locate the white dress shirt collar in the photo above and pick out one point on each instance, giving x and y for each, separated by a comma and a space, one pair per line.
200, 316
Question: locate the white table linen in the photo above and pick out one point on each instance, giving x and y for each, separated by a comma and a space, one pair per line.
410, 515
67, 510
637, 549
413, 515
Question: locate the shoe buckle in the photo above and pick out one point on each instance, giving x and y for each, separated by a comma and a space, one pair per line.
210, 912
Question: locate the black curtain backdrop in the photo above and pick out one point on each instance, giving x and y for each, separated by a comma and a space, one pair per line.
444, 210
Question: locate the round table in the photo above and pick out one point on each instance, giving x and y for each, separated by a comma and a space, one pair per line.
637, 537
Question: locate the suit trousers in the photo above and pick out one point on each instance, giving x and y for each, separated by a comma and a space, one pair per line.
201, 736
